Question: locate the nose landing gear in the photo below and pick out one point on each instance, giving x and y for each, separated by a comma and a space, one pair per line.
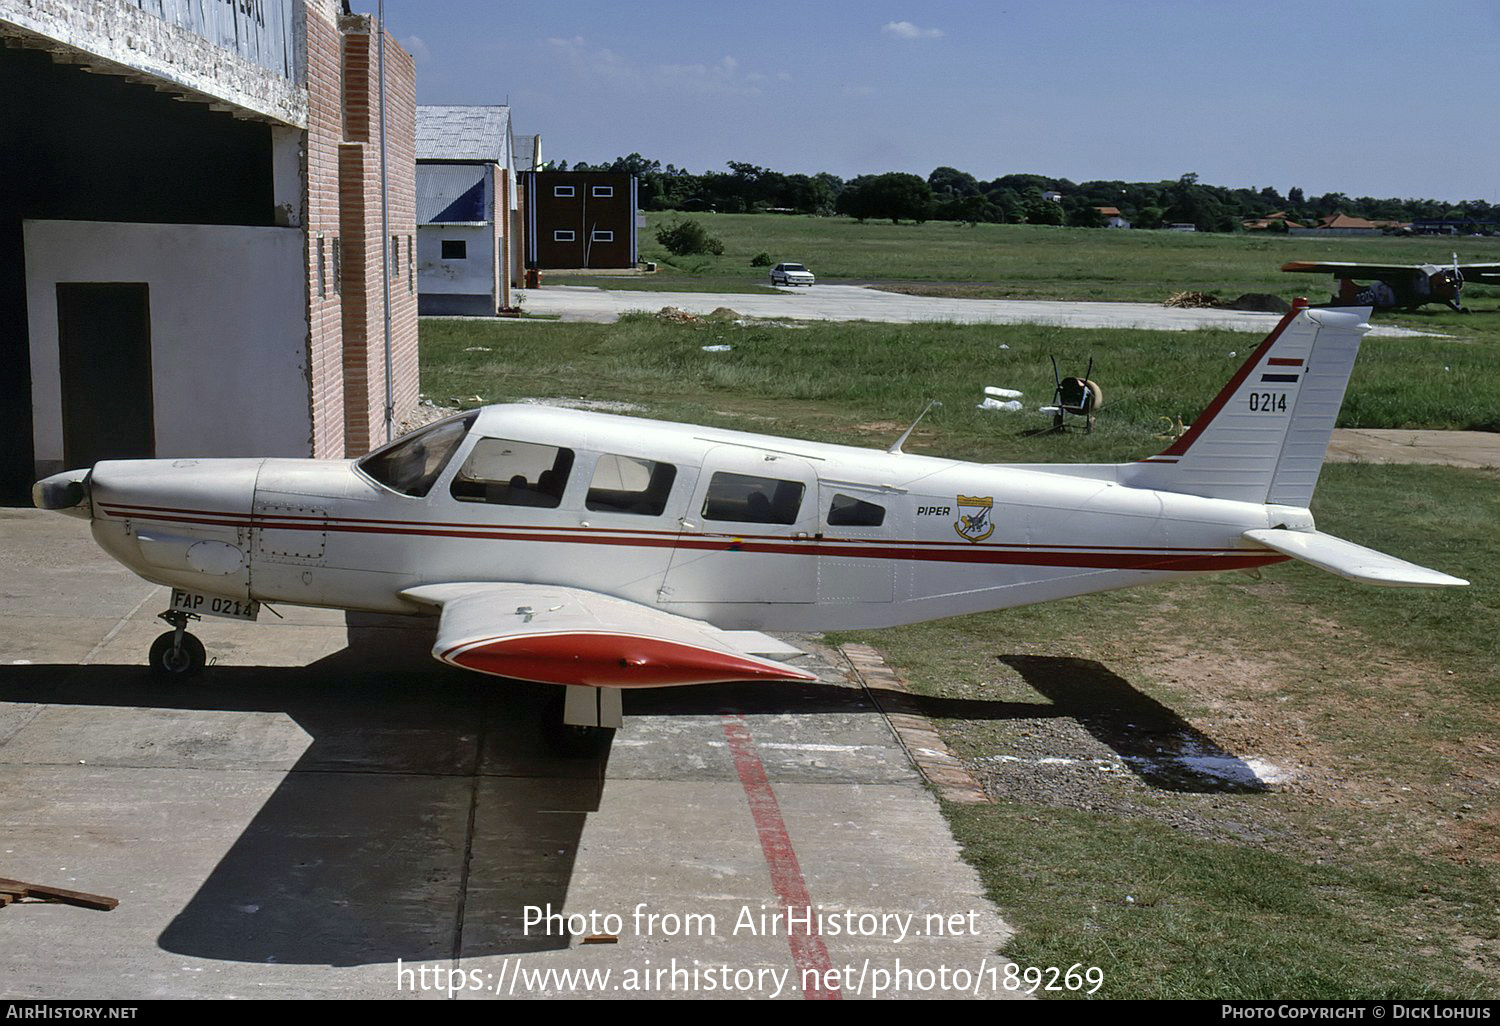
177, 653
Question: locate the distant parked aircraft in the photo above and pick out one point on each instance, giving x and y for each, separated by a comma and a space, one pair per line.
1399, 286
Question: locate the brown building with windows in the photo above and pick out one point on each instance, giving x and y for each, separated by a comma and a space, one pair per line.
580, 219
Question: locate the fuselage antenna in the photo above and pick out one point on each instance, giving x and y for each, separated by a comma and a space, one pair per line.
896, 446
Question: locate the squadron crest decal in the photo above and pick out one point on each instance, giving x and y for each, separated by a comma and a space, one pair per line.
974, 522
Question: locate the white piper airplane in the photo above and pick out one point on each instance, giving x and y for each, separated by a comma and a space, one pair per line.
603, 552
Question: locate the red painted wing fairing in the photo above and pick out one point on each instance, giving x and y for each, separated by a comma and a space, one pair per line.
556, 635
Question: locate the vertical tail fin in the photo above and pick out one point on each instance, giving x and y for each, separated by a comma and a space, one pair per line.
1263, 438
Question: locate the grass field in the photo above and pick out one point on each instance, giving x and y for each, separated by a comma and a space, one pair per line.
1036, 262
863, 382
1370, 868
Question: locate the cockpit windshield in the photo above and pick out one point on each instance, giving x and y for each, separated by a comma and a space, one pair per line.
410, 465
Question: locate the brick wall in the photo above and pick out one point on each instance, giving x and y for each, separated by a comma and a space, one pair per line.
325, 129
363, 363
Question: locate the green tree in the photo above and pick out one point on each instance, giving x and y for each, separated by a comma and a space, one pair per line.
951, 181
682, 237
895, 194
1087, 217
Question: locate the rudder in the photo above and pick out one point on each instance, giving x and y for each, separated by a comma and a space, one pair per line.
1265, 435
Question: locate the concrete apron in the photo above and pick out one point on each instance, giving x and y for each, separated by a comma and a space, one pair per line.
328, 812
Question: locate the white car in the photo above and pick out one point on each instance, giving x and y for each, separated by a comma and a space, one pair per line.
791, 274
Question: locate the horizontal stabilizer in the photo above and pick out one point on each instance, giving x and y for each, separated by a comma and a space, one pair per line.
1355, 562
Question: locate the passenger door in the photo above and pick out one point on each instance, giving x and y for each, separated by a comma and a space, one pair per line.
866, 532
749, 532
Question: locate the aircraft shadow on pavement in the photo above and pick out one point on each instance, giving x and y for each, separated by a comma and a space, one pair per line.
426, 811
1162, 749
429, 808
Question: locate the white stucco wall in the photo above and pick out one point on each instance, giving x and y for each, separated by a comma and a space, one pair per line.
229, 334
472, 276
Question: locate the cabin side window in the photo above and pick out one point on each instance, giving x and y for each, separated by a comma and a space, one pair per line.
625, 484
507, 473
752, 500
847, 511
412, 464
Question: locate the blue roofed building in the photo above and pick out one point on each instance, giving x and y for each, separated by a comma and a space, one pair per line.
467, 210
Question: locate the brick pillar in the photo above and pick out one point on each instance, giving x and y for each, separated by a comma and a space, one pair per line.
359, 199
325, 128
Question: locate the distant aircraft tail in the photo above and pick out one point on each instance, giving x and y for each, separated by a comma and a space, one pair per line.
1264, 437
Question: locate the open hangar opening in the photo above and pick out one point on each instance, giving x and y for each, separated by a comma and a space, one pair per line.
137, 232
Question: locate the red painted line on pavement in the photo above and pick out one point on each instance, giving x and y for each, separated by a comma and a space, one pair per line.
808, 951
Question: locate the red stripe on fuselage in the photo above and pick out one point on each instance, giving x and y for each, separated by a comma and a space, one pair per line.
1095, 557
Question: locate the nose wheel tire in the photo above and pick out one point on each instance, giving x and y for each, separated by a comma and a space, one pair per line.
171, 660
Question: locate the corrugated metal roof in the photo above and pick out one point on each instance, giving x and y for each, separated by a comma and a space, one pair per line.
450, 194
524, 146
453, 132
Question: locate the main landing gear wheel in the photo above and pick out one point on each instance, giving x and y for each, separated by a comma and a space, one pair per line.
177, 654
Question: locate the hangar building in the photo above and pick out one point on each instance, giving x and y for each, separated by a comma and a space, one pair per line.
190, 232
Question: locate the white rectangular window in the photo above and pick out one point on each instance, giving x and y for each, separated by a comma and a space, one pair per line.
752, 500
626, 484
562, 190
604, 191
513, 474
601, 235
563, 235
322, 270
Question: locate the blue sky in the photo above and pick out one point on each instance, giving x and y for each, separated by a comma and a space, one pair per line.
1377, 98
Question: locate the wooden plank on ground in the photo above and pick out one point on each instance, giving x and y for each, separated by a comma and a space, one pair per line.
82, 899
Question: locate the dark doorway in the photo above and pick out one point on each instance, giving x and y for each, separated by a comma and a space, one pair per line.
104, 348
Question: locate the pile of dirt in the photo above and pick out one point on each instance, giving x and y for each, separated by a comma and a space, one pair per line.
672, 313
1256, 302
1192, 300
1259, 302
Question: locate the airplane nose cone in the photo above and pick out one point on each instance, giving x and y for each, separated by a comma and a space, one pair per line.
67, 492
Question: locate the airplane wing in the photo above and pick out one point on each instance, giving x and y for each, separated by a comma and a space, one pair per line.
1355, 562
1348, 269
1480, 274
556, 635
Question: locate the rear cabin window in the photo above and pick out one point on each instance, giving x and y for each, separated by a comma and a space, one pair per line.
625, 484
410, 465
507, 473
752, 500
847, 511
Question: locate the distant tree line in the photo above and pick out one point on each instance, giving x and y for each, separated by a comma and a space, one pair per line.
948, 194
